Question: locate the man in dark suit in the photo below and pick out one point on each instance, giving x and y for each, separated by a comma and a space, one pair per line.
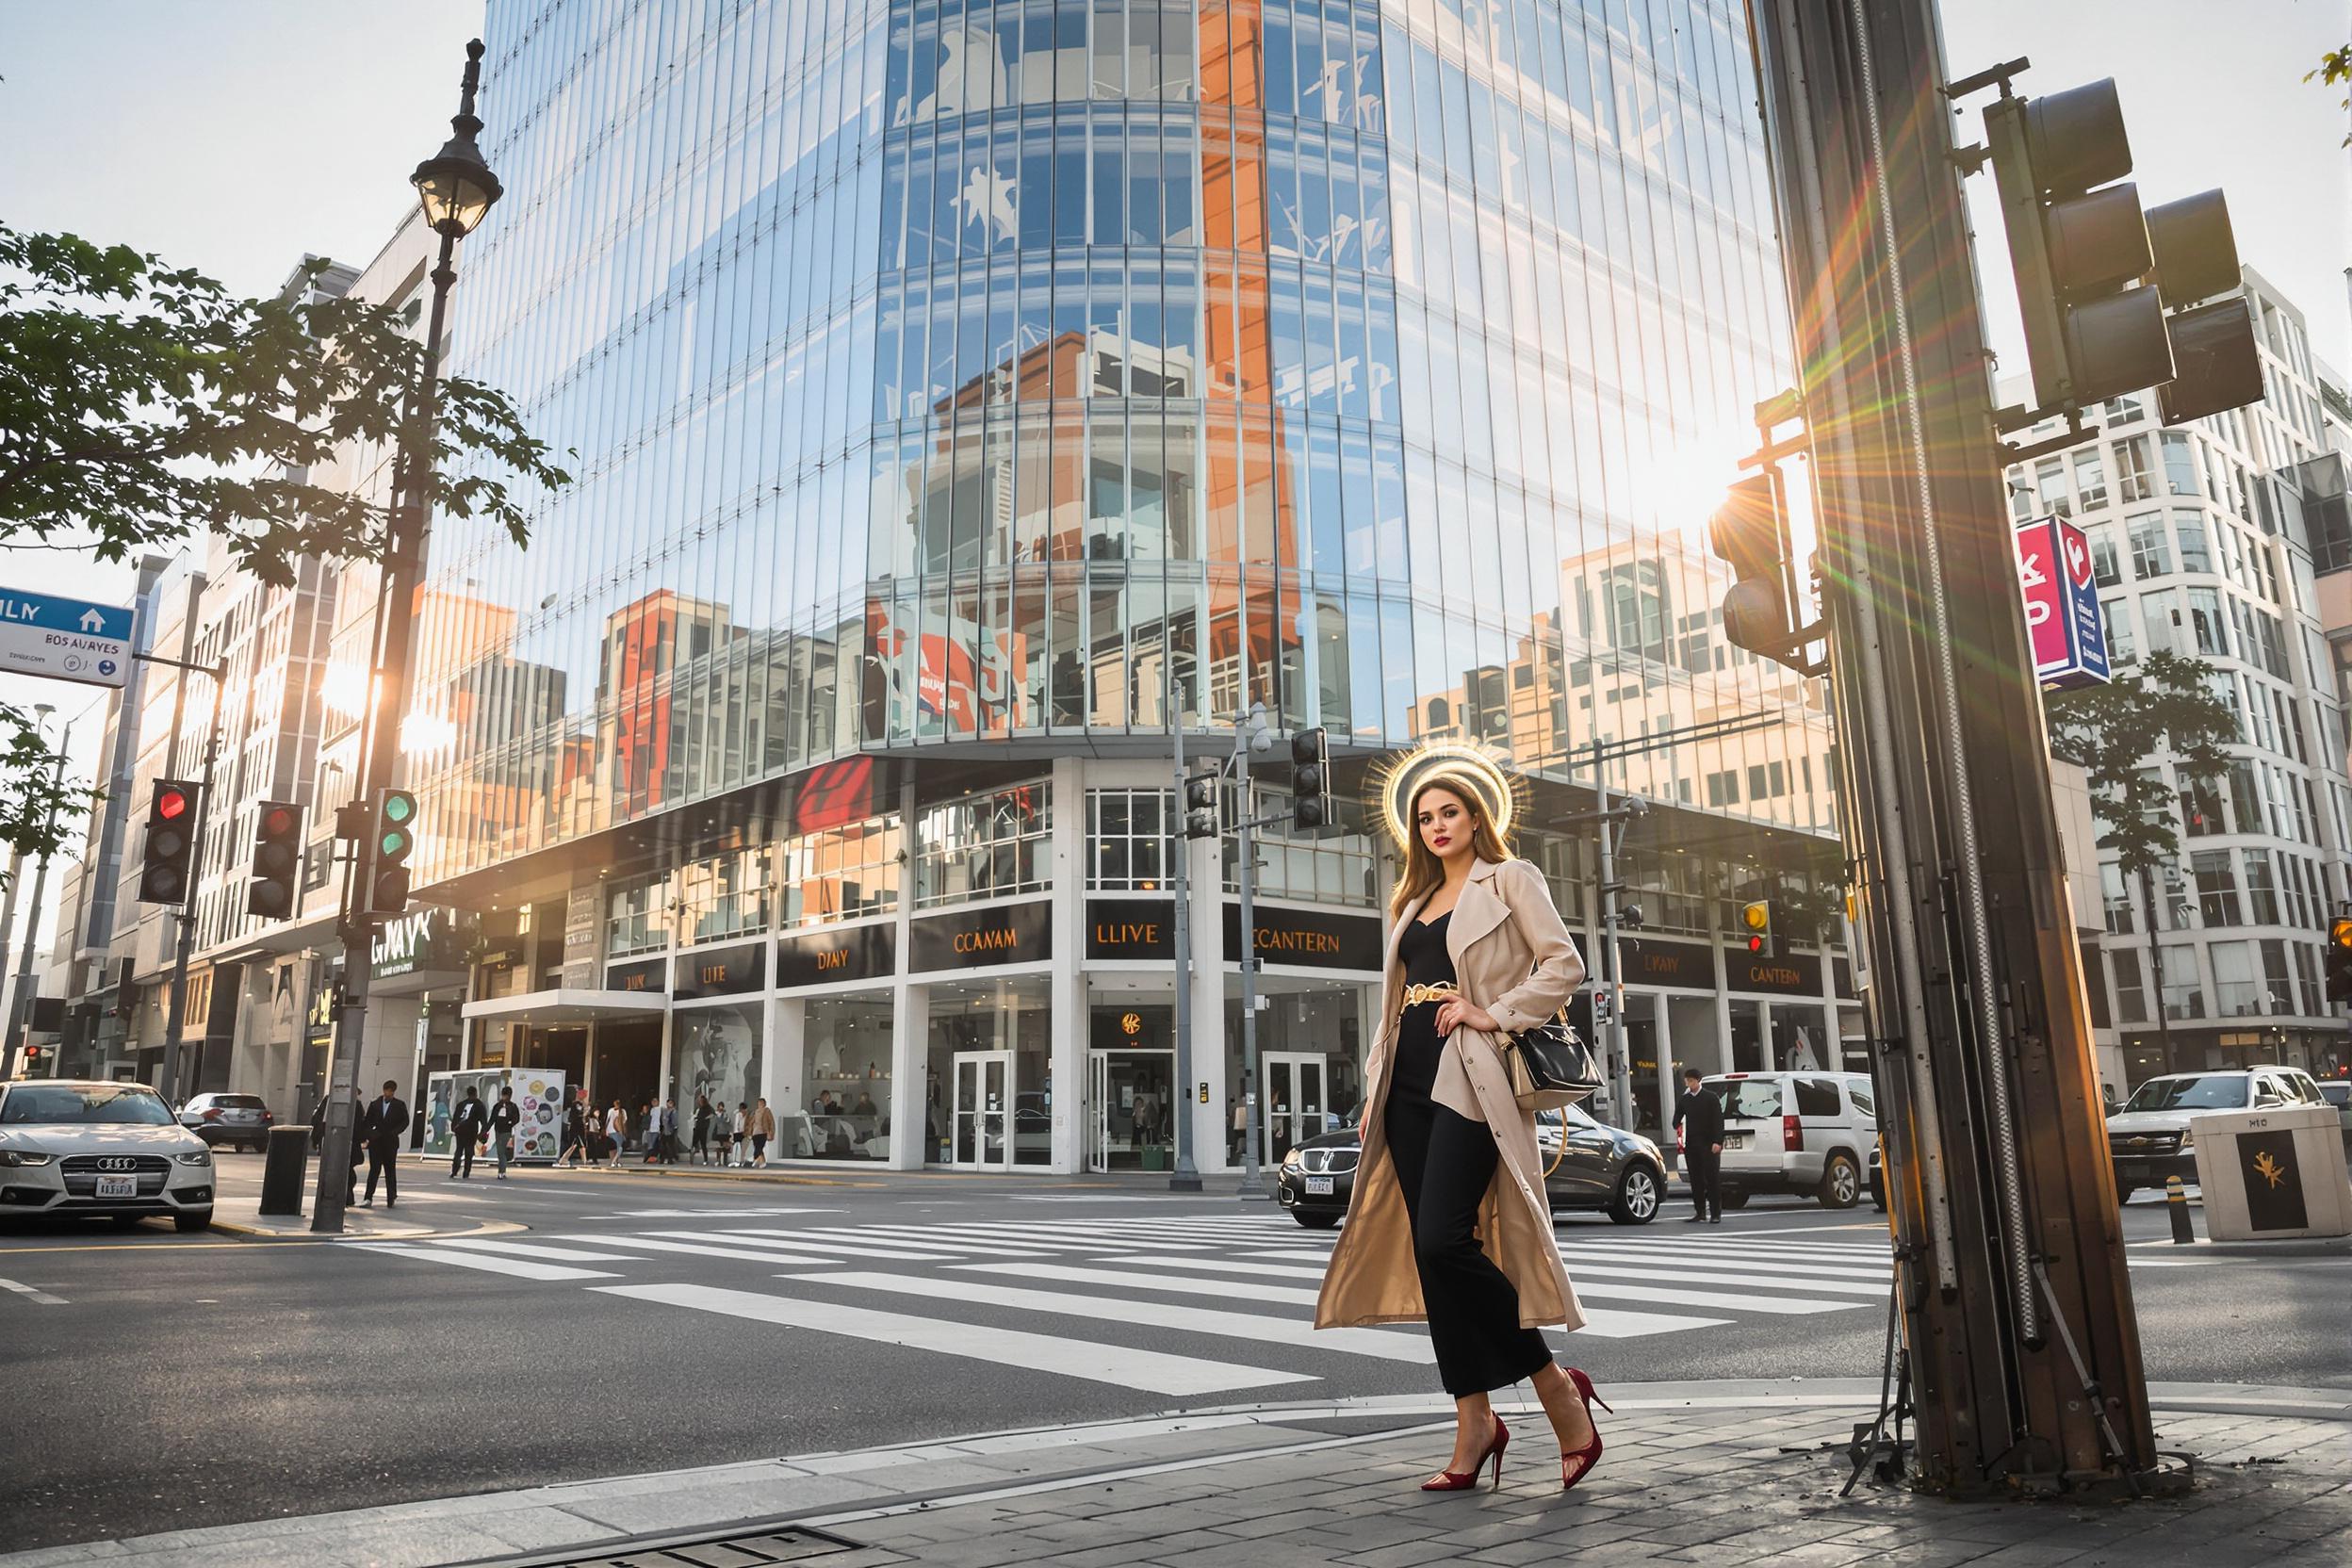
1700, 1116
380, 1128
466, 1128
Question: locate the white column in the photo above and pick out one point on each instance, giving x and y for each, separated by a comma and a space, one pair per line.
785, 1058
910, 1056
1067, 990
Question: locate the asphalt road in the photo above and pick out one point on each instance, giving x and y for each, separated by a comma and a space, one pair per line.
194, 1380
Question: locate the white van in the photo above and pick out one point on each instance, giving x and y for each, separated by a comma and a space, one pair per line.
1803, 1132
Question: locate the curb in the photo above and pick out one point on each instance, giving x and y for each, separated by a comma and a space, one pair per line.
266, 1234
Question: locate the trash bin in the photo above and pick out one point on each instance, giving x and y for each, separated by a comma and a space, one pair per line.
2272, 1173
282, 1175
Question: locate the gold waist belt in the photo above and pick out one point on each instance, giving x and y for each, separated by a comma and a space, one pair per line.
1416, 995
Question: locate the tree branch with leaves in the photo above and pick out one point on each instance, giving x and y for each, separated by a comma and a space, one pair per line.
2115, 731
143, 405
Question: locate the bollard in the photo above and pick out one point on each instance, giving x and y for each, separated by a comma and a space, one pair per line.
282, 1172
2177, 1205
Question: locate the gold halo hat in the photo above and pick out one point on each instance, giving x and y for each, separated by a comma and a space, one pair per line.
1465, 769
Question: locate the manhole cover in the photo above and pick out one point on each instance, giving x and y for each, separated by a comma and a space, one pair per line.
754, 1548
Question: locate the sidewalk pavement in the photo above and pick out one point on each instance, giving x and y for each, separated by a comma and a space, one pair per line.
1695, 1473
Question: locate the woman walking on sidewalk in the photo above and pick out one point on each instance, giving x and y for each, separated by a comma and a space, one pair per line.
1477, 953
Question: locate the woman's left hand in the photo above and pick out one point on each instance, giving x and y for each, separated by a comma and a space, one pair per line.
1460, 1013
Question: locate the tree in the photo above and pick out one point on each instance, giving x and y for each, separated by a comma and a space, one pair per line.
2334, 70
2112, 731
143, 405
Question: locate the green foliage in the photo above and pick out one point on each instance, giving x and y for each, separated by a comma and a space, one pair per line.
2335, 69
2114, 731
143, 405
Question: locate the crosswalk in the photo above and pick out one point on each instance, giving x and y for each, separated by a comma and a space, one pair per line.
1174, 1304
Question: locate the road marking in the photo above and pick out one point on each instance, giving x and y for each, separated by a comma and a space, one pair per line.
837, 1239
1117, 1364
795, 1241
703, 1250
516, 1267
1669, 1261
746, 1213
39, 1297
532, 1249
1223, 1290
1579, 1269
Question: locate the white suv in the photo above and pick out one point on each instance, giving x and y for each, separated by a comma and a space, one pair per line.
1804, 1132
78, 1145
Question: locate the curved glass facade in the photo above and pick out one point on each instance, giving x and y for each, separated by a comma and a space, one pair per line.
948, 374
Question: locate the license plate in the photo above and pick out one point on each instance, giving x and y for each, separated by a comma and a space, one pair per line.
117, 1187
1735, 1140
1318, 1186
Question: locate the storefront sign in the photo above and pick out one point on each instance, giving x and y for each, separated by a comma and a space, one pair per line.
1308, 939
1120, 928
979, 938
721, 971
851, 953
2062, 614
645, 974
1791, 974
423, 940
1649, 961
579, 937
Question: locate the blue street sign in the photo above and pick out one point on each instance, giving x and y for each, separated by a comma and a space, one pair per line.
42, 634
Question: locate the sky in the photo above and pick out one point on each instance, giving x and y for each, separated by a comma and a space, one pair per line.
239, 136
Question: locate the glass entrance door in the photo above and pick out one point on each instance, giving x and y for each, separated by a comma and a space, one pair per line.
1291, 1109
981, 1110
1129, 1114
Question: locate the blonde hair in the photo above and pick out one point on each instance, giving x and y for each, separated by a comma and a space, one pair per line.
1424, 873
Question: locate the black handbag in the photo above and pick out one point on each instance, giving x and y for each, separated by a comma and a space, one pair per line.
1551, 1065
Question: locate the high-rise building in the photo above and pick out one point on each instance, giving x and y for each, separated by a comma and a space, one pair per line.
2201, 545
963, 394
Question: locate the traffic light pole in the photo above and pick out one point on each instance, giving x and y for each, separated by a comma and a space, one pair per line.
2024, 1350
1186, 1176
380, 749
175, 1003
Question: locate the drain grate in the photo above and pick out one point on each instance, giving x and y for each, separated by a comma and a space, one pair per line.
757, 1548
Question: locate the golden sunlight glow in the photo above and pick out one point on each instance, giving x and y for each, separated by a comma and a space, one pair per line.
1397, 777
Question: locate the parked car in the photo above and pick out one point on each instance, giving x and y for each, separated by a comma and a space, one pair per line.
74, 1146
238, 1119
1590, 1166
1803, 1132
2153, 1136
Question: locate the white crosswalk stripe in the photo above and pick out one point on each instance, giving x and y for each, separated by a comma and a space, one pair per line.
520, 1269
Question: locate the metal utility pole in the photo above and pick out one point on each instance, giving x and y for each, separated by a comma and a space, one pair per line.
2017, 1305
1610, 993
1250, 734
176, 1007
1186, 1176
457, 190
2156, 962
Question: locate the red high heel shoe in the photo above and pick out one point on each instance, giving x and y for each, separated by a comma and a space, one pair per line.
1574, 1466
1463, 1480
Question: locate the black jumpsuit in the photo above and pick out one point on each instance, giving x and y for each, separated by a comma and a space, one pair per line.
1445, 1163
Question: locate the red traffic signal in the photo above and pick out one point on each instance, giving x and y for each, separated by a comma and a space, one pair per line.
167, 858
170, 802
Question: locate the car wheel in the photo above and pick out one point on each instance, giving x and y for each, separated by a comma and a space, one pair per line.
1637, 1197
1735, 1199
199, 1220
1841, 1183
1314, 1221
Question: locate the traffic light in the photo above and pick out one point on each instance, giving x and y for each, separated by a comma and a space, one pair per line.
388, 853
1201, 811
2339, 960
36, 1061
2216, 365
2079, 244
1311, 779
277, 859
171, 845
1756, 920
1747, 532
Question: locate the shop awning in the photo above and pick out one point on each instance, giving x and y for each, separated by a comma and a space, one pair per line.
567, 1006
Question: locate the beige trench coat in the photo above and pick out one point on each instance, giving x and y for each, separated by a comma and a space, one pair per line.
1514, 957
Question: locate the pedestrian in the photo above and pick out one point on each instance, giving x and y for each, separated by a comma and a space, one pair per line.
669, 1132
866, 1105
722, 1130
575, 1132
1475, 952
381, 1125
1241, 1131
358, 1149
702, 1129
648, 1149
1699, 1114
466, 1127
504, 1118
615, 1133
762, 1129
743, 1131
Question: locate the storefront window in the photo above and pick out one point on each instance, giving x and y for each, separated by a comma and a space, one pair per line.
984, 846
841, 873
990, 1088
840, 1106
1127, 844
635, 920
1326, 868
717, 1058
1310, 1062
725, 896
1131, 1096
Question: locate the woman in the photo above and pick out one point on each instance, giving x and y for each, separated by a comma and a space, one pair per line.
702, 1129
615, 1133
1478, 952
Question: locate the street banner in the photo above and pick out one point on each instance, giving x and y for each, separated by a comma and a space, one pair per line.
2062, 612
538, 1094
64, 639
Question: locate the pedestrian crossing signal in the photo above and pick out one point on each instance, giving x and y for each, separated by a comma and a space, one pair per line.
1201, 811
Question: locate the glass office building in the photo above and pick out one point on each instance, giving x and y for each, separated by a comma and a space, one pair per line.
962, 391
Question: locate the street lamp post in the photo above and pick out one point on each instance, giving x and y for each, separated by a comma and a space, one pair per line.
456, 189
